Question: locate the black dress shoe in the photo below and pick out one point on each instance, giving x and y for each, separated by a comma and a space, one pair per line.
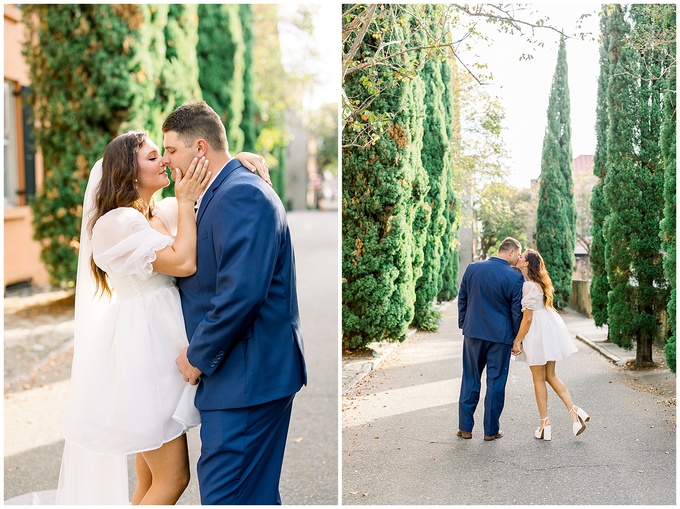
488, 438
464, 434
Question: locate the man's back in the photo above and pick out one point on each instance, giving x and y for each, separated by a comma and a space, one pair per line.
489, 302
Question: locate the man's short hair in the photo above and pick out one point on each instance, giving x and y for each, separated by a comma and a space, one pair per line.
195, 120
508, 244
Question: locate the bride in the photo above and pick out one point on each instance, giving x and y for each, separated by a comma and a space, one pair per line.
127, 396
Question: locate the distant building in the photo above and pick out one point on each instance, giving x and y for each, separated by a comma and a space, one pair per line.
23, 170
584, 181
583, 166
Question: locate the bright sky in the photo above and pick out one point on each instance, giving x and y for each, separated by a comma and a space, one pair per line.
524, 87
325, 42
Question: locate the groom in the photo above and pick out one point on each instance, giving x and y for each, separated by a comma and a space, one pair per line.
241, 316
489, 312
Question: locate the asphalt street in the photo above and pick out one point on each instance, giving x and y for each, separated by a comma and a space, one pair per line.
399, 443
38, 354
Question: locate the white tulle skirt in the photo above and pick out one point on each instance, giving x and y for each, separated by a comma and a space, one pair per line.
548, 339
127, 396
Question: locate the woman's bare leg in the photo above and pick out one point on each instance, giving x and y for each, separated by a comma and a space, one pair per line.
560, 388
540, 390
169, 468
143, 479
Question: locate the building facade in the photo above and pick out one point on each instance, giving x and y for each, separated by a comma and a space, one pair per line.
22, 165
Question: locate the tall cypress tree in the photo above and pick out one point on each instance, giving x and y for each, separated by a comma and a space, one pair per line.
250, 123
599, 287
380, 191
652, 293
418, 211
179, 75
668, 225
449, 289
435, 160
77, 111
634, 190
221, 64
619, 189
556, 215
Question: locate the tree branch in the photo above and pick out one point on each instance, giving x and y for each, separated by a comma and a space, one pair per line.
349, 56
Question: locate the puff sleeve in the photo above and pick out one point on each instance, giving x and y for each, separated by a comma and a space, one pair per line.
532, 297
125, 244
167, 211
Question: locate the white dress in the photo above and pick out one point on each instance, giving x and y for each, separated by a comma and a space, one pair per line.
548, 338
122, 400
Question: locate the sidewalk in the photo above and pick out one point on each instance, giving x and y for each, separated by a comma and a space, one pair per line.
356, 365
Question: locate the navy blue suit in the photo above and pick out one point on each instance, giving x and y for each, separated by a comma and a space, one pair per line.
242, 320
489, 312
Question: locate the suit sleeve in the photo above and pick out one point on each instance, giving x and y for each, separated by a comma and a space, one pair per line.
462, 301
517, 304
246, 249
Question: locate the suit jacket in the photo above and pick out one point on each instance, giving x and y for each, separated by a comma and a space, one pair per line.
240, 307
490, 301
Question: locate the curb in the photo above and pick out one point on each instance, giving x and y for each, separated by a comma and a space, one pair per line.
359, 369
613, 358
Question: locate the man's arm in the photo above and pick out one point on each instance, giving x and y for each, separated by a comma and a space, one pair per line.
462, 301
517, 304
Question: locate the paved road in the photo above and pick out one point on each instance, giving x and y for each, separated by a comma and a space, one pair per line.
38, 353
399, 443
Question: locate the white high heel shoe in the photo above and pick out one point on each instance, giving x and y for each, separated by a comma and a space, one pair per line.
581, 418
544, 431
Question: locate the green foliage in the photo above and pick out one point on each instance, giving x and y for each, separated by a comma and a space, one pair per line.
270, 94
466, 22
668, 224
250, 123
633, 190
449, 240
599, 287
398, 203
418, 209
221, 63
86, 75
503, 212
556, 214
435, 158
379, 189
619, 186
178, 82
324, 123
278, 172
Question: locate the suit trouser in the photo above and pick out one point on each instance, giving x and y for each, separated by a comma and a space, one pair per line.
242, 453
477, 355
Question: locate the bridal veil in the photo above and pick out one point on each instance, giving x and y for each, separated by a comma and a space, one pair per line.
87, 477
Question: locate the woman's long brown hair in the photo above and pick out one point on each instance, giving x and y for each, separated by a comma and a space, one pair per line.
537, 273
117, 188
